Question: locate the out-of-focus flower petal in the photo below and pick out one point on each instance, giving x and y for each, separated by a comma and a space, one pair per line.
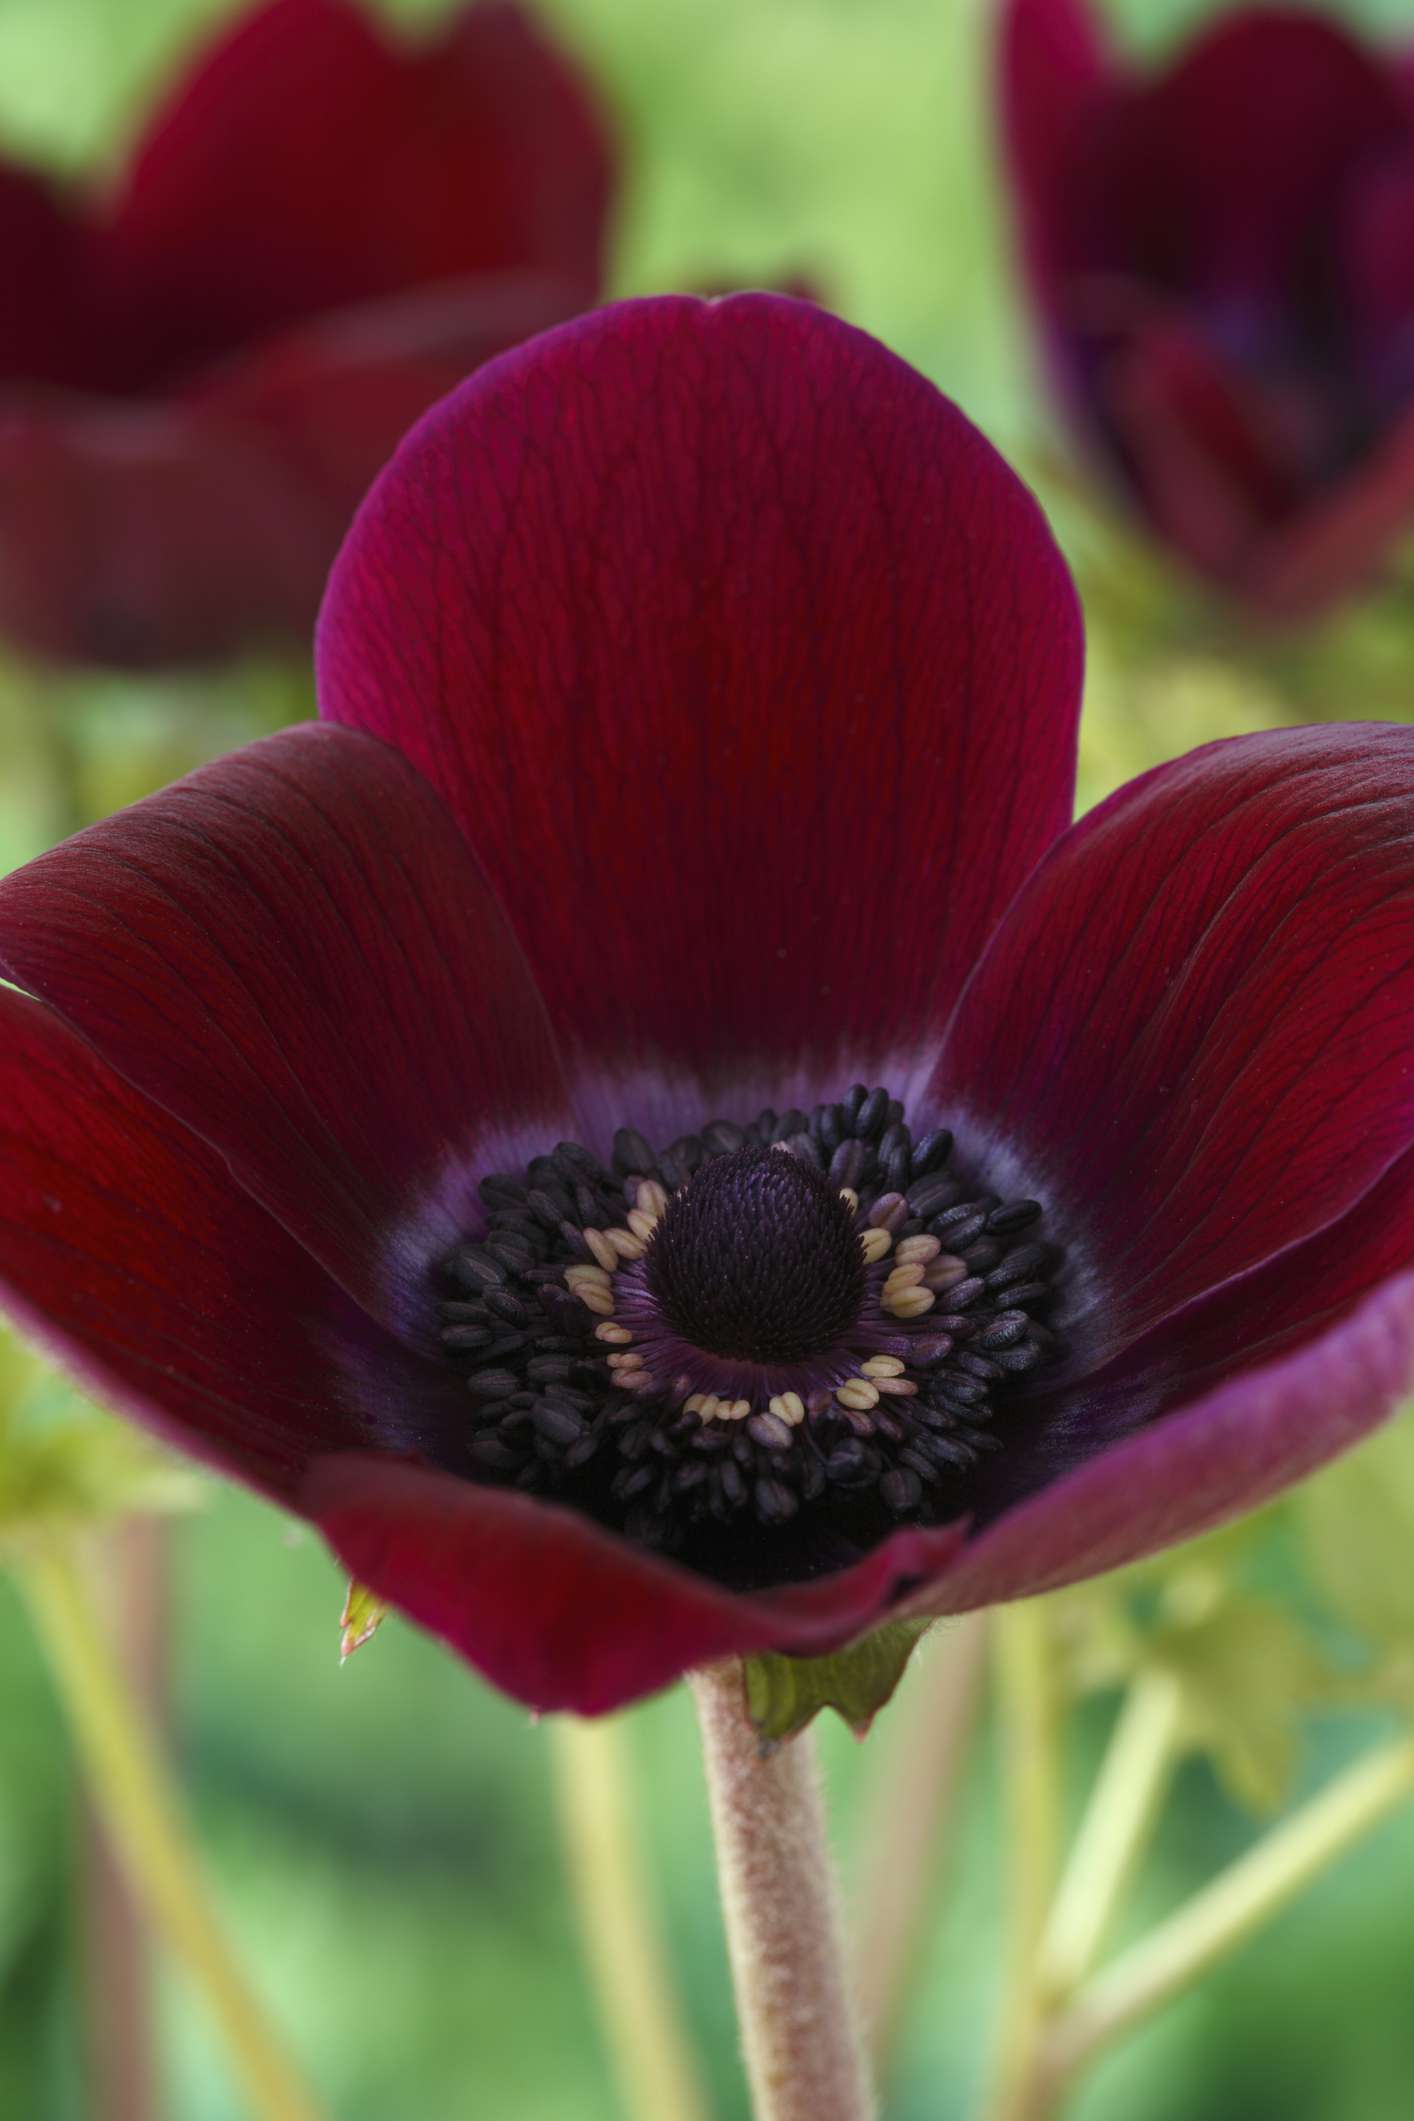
562, 1614
127, 1248
309, 162
44, 326
293, 953
138, 532
748, 669
1191, 1033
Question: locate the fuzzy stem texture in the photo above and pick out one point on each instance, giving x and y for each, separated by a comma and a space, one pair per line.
652, 2058
799, 2025
134, 1796
909, 1815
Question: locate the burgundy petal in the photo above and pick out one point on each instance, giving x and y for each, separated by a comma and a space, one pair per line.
141, 533
1190, 1034
308, 163
44, 326
1219, 1457
1055, 73
746, 666
1337, 543
126, 1247
560, 1613
293, 953
1200, 447
1207, 178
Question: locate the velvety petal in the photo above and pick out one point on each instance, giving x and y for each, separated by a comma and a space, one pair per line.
139, 533
1190, 1035
1221, 1456
293, 953
561, 1614
309, 162
747, 667
126, 1248
1287, 1303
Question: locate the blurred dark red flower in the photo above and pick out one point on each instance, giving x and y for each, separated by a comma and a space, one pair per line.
1221, 255
454, 1120
321, 232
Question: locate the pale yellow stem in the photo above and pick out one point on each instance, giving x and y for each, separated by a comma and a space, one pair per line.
133, 1794
1029, 1702
908, 1815
1121, 1814
653, 2060
1226, 1913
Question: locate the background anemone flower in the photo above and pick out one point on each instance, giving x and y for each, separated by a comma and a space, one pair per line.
1220, 258
453, 1119
321, 232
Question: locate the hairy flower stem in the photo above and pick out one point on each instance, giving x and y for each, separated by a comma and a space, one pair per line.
133, 1794
1224, 1914
909, 1813
652, 2057
804, 2055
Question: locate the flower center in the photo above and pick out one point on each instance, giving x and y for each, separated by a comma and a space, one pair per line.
757, 1257
805, 1327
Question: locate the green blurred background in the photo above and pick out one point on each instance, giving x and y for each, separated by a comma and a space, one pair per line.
383, 1835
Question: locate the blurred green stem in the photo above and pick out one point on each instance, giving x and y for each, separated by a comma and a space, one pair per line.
804, 2055
904, 1839
1120, 1816
604, 1848
133, 1794
1030, 1716
1226, 1913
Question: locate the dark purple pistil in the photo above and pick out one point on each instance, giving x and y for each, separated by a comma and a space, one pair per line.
758, 1259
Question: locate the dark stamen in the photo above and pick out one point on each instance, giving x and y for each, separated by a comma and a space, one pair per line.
805, 1324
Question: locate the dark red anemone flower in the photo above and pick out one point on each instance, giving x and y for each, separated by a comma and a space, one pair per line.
321, 232
644, 1124
1222, 258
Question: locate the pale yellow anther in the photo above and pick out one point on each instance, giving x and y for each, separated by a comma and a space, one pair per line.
603, 1251
910, 1303
582, 1273
850, 1197
903, 1278
789, 1406
650, 1199
917, 1251
711, 1406
874, 1244
734, 1409
632, 1361
625, 1244
695, 1404
596, 1299
900, 1387
882, 1366
642, 1224
859, 1394
617, 1336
